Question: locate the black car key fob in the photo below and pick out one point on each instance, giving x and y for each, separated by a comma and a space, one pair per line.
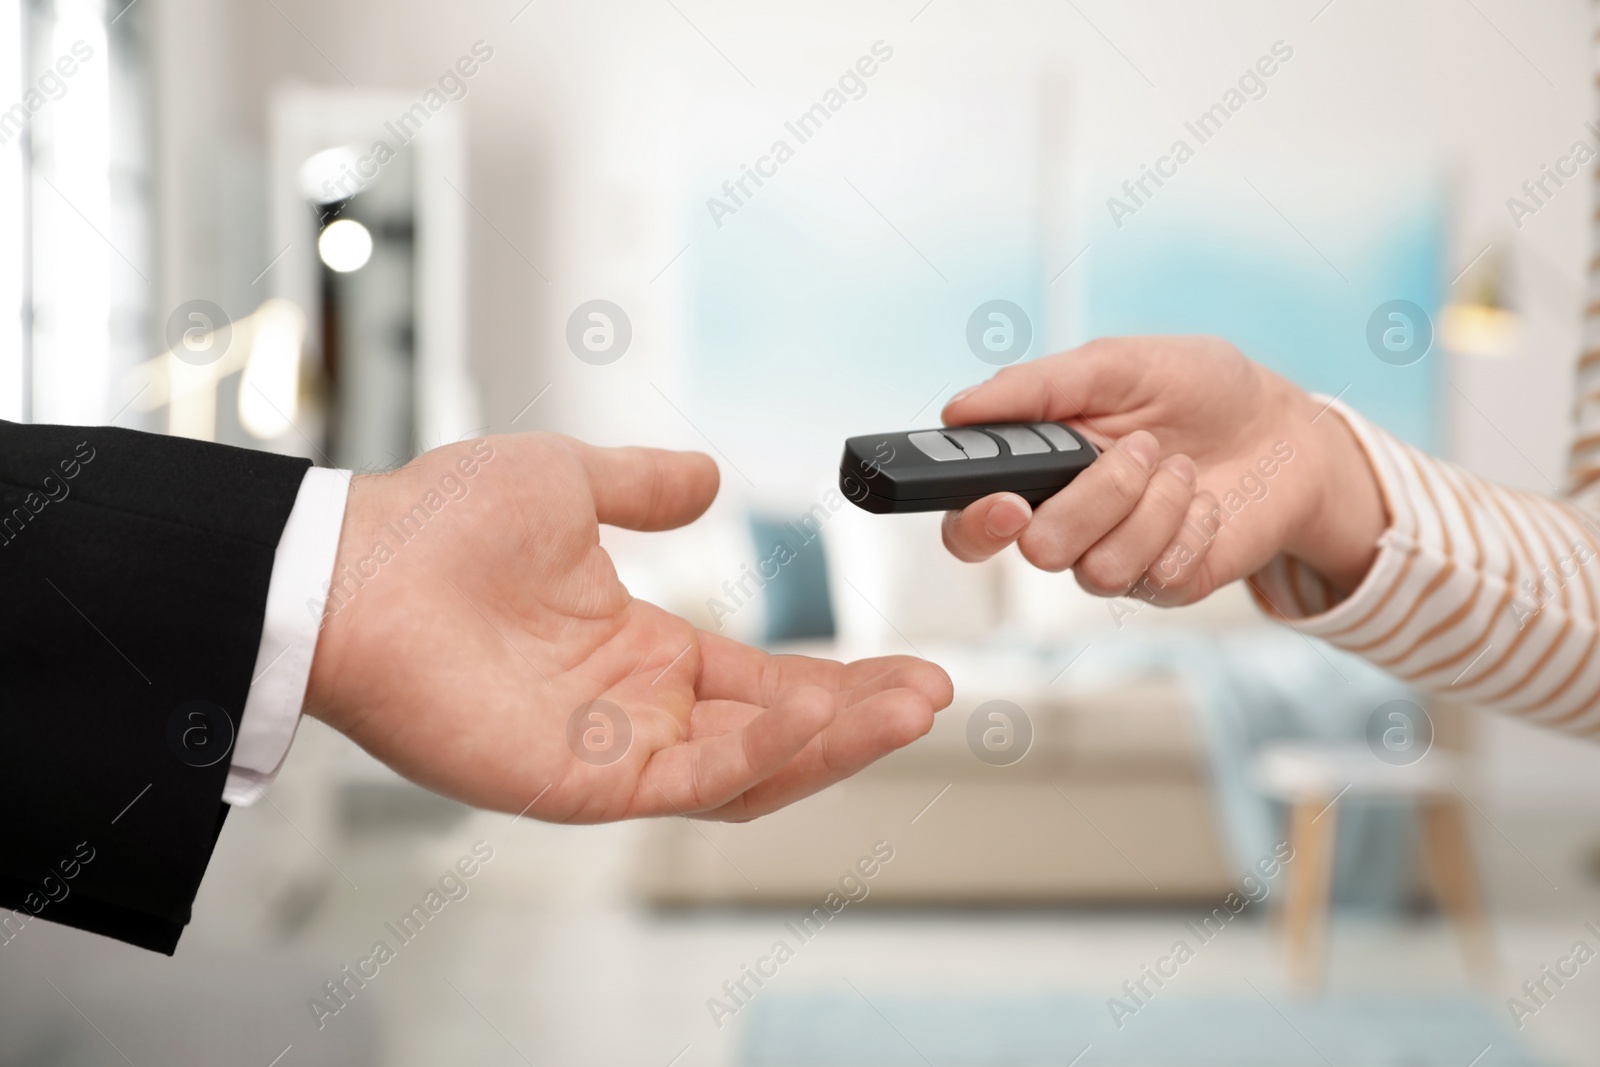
949, 468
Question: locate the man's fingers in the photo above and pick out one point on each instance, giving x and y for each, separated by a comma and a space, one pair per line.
1112, 565
730, 670
1064, 526
768, 730
648, 488
702, 775
867, 730
981, 529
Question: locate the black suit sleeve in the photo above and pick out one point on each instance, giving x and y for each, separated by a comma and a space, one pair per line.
133, 584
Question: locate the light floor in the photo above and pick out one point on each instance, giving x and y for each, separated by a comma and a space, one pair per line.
546, 962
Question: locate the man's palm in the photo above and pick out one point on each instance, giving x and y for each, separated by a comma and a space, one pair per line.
496, 657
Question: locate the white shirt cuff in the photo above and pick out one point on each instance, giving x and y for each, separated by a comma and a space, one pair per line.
301, 570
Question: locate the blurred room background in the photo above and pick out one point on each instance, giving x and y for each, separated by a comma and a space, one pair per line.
353, 230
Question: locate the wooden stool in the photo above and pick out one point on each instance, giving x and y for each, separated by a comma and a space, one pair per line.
1313, 779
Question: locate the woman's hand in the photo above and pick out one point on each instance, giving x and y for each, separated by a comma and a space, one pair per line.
1211, 466
489, 652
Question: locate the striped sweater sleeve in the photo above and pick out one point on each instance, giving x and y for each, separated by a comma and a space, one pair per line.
1487, 594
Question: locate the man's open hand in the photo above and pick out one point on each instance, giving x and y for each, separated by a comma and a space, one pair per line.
488, 621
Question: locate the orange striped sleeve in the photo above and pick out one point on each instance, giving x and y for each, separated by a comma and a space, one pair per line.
1487, 594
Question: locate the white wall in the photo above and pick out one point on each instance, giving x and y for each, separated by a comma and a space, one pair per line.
574, 124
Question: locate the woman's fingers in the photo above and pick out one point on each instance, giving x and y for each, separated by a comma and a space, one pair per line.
1065, 526
980, 530
1178, 574
1116, 562
1119, 518
1124, 521
1105, 376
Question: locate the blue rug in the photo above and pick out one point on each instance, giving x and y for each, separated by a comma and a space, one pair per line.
1243, 1030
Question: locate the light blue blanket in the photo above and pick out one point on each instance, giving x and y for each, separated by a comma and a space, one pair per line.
1253, 687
